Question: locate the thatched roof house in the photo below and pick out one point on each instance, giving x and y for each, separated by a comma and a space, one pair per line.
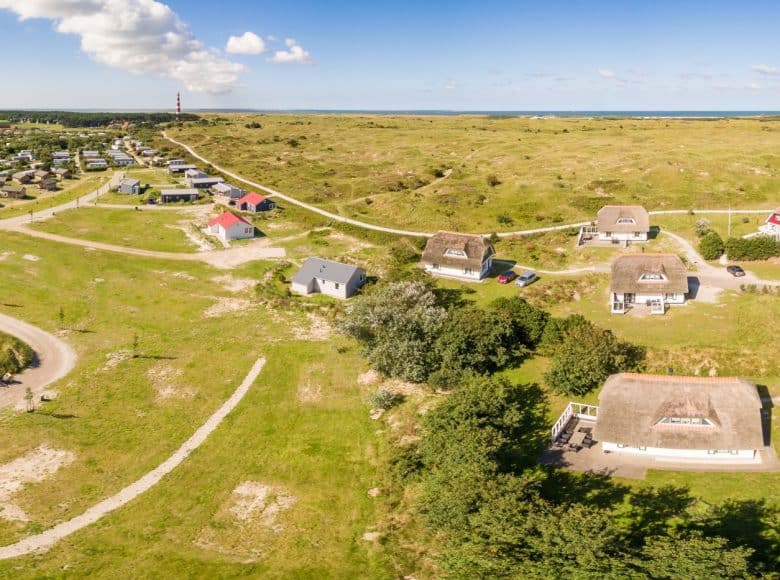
680, 416
649, 274
467, 256
623, 219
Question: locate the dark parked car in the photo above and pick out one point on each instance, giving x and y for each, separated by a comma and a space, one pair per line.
735, 271
526, 278
507, 277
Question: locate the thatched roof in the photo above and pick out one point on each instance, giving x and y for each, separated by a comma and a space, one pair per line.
628, 269
631, 406
474, 249
609, 217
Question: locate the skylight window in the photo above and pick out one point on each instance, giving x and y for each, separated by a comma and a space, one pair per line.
455, 252
652, 277
692, 421
626, 221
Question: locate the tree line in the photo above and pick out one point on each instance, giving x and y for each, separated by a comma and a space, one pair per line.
96, 119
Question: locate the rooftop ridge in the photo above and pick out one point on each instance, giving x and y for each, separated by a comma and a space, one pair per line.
680, 378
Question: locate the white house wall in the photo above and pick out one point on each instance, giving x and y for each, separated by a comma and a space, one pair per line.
622, 236
457, 272
724, 455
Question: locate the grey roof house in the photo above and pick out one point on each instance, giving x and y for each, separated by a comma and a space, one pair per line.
130, 186
327, 277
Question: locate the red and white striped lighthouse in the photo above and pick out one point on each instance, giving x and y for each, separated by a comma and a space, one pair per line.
178, 105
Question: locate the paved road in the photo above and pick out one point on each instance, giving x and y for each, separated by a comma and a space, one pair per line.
55, 360
45, 540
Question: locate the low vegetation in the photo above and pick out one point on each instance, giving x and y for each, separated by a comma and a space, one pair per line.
15, 355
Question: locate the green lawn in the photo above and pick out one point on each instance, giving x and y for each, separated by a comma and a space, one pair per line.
114, 418
376, 168
148, 230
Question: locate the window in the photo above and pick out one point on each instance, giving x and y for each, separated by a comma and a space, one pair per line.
337, 285
626, 221
688, 421
455, 252
468, 271
652, 277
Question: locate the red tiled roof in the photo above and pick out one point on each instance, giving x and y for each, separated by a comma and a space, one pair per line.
227, 220
252, 198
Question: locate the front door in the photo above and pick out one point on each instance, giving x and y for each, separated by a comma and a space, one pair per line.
628, 298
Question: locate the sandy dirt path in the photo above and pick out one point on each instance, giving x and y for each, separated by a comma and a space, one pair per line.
55, 360
225, 259
45, 540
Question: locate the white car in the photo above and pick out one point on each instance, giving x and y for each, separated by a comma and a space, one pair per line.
526, 278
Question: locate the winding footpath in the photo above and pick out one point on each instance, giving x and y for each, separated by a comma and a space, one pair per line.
45, 540
55, 359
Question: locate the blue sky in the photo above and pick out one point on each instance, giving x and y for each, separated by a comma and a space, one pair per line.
401, 55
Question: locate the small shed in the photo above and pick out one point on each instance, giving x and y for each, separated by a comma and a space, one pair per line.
254, 202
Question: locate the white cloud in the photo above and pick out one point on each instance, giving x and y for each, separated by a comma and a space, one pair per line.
247, 43
765, 69
138, 36
607, 73
294, 53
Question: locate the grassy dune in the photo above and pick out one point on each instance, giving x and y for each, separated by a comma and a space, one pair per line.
434, 172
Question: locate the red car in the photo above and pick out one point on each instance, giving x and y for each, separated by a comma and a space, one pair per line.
507, 277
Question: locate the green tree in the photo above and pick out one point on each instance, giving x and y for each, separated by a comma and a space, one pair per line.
587, 356
693, 556
711, 246
527, 321
396, 325
479, 340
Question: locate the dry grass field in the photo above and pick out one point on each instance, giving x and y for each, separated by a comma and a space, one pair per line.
485, 174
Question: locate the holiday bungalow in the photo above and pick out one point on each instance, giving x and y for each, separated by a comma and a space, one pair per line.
229, 226
464, 256
328, 277
23, 176
717, 419
13, 191
174, 195
227, 190
655, 280
179, 167
203, 182
622, 223
254, 202
129, 186
62, 173
771, 226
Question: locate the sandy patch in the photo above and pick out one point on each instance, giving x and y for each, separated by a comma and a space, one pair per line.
370, 377
232, 284
30, 257
113, 359
254, 508
166, 380
202, 244
319, 328
708, 294
4, 255
256, 502
33, 467
372, 536
224, 306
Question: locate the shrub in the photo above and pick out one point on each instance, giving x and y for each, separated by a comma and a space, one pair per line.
384, 399
702, 227
757, 248
492, 180
711, 246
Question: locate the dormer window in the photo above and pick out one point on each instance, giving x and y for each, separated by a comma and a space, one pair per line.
652, 277
455, 252
687, 421
626, 221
